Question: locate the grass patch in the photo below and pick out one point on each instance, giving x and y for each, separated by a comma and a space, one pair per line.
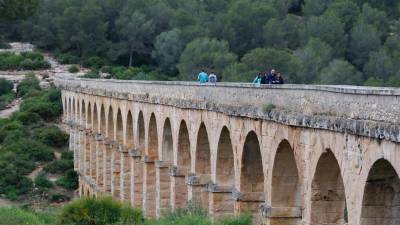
267, 108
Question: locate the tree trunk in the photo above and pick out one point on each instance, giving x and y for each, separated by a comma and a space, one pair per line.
130, 57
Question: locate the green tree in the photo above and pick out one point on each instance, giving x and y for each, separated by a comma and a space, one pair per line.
205, 52
340, 72
17, 9
376, 18
315, 7
282, 33
260, 60
379, 65
82, 29
346, 10
5, 86
167, 50
284, 6
242, 32
136, 30
328, 28
364, 39
312, 58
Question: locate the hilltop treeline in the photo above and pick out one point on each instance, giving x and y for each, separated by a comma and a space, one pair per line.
309, 41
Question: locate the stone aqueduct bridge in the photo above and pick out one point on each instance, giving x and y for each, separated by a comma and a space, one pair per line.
323, 155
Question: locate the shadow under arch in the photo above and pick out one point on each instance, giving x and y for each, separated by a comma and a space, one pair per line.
179, 189
381, 201
163, 179
285, 191
222, 204
103, 121
202, 168
129, 131
95, 119
83, 113
150, 169
110, 124
141, 133
89, 116
119, 128
328, 192
138, 163
73, 113
167, 142
251, 178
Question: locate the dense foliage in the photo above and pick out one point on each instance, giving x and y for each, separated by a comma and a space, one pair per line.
18, 216
309, 41
103, 211
6, 95
28, 139
23, 61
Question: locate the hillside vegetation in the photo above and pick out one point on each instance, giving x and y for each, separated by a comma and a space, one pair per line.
105, 211
28, 141
309, 41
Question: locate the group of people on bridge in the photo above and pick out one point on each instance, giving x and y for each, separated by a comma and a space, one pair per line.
267, 77
203, 77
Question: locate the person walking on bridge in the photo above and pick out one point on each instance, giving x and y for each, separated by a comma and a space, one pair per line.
212, 78
203, 77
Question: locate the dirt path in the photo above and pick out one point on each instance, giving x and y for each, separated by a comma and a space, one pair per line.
5, 202
14, 106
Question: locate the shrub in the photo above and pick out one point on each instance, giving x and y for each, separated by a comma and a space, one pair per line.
67, 58
26, 60
191, 209
94, 62
42, 181
27, 64
58, 197
6, 99
31, 149
14, 185
5, 86
45, 109
73, 69
32, 55
67, 155
244, 219
106, 69
17, 216
59, 166
69, 180
101, 211
28, 84
92, 74
27, 118
267, 108
52, 136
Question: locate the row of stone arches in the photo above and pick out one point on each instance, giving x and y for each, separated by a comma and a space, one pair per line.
286, 195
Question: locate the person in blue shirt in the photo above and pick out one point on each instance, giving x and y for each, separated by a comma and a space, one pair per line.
203, 77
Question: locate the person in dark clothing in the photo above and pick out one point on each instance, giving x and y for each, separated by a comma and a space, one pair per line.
264, 77
271, 77
279, 79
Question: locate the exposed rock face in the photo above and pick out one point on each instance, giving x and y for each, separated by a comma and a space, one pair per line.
322, 155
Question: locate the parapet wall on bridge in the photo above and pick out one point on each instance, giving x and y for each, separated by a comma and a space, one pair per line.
324, 155
365, 111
